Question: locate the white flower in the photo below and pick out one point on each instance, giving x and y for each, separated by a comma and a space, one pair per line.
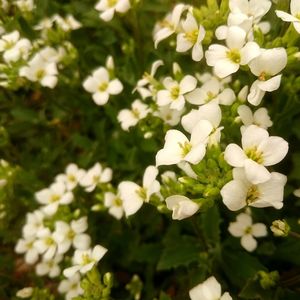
72, 176
297, 193
211, 91
210, 115
179, 148
49, 267
259, 150
181, 206
227, 60
109, 7
66, 24
246, 230
26, 246
34, 223
25, 292
133, 195
168, 115
45, 244
114, 204
174, 92
145, 86
130, 117
50, 54
71, 287
94, 176
265, 66
191, 37
25, 5
100, 85
13, 47
294, 17
239, 192
260, 117
210, 289
170, 24
66, 235
53, 196
40, 70
84, 260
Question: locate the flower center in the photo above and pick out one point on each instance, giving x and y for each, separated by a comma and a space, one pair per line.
252, 194
248, 230
8, 45
117, 202
49, 241
86, 259
71, 234
136, 113
234, 55
96, 179
142, 192
297, 15
40, 74
255, 155
71, 178
185, 148
175, 92
54, 198
103, 87
192, 36
111, 3
210, 95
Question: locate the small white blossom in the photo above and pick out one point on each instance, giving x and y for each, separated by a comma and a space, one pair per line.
182, 207
297, 193
293, 17
174, 92
25, 292
246, 230
168, 115
54, 196
133, 195
40, 70
227, 59
66, 235
108, 8
71, 287
72, 176
84, 260
34, 223
130, 117
266, 66
170, 24
114, 204
259, 150
100, 85
25, 5
26, 246
95, 175
239, 192
210, 289
191, 37
50, 267
45, 244
260, 117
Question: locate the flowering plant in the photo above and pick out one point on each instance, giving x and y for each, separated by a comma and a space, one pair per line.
149, 149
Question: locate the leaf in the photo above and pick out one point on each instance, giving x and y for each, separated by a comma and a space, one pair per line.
240, 266
211, 225
180, 252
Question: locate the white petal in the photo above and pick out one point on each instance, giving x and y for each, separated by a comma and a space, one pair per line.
235, 37
101, 98
123, 6
197, 52
82, 241
69, 272
255, 172
115, 87
259, 230
201, 132
107, 15
196, 154
91, 84
182, 44
225, 67
98, 252
248, 242
256, 94
234, 155
284, 16
253, 136
248, 52
270, 85
227, 97
187, 84
149, 176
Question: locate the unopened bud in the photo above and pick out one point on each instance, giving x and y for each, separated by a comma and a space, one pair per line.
280, 228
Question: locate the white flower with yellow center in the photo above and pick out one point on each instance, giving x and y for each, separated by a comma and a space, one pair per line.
240, 192
191, 37
133, 196
108, 8
293, 17
258, 151
266, 66
67, 235
84, 260
49, 266
179, 148
71, 287
40, 70
246, 230
26, 246
210, 289
53, 196
227, 59
94, 176
45, 244
182, 207
114, 204
100, 85
130, 117
175, 91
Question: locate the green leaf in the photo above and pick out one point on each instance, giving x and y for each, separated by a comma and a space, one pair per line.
211, 225
179, 252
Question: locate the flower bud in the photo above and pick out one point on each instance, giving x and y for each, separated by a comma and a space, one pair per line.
280, 228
